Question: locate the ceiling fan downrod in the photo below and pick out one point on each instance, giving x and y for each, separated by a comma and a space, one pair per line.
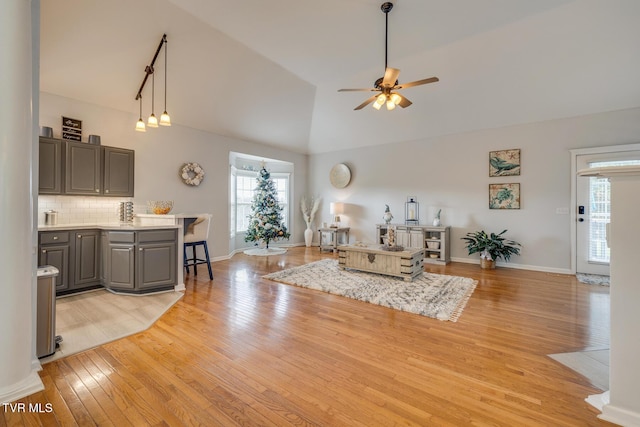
386, 8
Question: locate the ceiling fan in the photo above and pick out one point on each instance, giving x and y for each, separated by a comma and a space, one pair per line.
389, 83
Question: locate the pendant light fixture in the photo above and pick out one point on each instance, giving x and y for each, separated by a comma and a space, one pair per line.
152, 122
165, 120
140, 127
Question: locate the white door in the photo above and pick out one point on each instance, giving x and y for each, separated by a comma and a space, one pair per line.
594, 210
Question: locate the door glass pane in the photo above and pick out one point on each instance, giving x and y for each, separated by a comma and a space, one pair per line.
600, 211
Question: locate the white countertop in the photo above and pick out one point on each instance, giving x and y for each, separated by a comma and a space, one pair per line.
103, 226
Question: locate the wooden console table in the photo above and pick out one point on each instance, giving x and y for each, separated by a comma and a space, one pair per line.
334, 235
406, 264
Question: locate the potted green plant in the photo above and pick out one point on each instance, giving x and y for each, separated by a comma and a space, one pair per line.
491, 247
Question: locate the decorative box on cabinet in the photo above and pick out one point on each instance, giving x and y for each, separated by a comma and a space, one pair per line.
434, 240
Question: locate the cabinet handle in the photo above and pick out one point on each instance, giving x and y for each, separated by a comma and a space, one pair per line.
44, 251
97, 190
55, 237
106, 191
79, 236
140, 249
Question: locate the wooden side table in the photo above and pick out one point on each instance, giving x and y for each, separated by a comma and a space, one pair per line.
331, 237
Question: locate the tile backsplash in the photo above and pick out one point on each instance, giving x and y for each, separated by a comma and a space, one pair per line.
84, 210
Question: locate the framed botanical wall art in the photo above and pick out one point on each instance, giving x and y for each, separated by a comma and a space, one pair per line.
504, 196
504, 163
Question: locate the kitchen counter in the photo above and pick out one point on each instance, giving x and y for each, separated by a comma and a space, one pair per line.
104, 226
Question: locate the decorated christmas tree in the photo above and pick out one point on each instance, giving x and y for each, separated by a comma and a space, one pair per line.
265, 221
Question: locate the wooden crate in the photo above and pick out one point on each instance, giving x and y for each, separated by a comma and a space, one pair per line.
406, 264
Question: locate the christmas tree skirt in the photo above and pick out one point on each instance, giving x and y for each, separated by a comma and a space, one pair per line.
265, 251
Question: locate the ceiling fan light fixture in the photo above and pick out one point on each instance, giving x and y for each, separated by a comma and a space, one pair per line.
374, 105
390, 105
396, 98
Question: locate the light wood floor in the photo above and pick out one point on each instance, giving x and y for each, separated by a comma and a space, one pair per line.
241, 350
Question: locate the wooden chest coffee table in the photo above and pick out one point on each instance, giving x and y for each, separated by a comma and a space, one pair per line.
406, 264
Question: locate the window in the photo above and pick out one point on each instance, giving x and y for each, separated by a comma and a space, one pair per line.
243, 185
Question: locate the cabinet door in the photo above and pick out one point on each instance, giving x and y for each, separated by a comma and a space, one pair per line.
50, 166
416, 238
82, 169
120, 268
156, 265
86, 258
57, 256
403, 238
118, 172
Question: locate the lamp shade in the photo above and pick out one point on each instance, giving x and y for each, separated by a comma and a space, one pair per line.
336, 208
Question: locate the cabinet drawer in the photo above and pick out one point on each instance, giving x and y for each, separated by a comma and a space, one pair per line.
156, 235
54, 237
122, 236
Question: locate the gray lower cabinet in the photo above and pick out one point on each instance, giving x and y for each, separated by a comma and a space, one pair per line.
54, 249
141, 261
86, 266
76, 255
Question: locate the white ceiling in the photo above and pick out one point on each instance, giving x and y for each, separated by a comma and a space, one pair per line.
269, 71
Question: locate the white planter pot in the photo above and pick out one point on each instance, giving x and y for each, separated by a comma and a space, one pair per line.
308, 236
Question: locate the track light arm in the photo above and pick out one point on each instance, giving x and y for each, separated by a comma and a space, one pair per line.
149, 68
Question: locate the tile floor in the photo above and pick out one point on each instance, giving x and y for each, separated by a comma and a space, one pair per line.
94, 318
592, 364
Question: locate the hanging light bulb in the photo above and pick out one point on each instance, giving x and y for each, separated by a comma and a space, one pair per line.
140, 127
396, 98
380, 101
165, 120
152, 121
390, 105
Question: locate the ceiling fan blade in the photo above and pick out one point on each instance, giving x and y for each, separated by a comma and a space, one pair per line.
417, 83
367, 102
357, 90
390, 77
404, 102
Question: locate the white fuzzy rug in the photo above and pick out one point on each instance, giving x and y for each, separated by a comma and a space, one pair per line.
593, 279
432, 295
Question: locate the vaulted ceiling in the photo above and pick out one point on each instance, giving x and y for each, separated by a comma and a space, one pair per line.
269, 71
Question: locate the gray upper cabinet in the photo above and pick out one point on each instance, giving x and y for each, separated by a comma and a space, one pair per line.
118, 172
82, 169
50, 166
77, 168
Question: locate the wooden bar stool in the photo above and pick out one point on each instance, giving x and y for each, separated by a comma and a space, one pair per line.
196, 235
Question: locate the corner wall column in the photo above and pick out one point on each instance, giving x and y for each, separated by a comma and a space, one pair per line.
18, 364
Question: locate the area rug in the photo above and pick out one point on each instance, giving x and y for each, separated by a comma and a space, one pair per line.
94, 318
432, 295
593, 279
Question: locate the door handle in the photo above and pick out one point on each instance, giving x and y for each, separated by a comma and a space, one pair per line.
580, 219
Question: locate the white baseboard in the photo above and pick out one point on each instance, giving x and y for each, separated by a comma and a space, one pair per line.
620, 416
518, 266
31, 384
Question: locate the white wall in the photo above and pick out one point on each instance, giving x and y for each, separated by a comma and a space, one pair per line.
452, 173
161, 152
